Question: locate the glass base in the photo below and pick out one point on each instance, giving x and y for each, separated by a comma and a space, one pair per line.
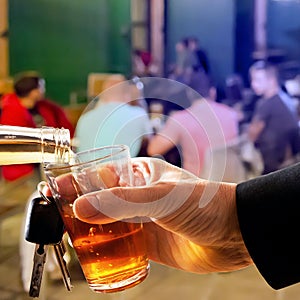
120, 285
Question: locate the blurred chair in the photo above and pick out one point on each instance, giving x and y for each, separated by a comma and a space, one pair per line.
95, 83
73, 112
6, 87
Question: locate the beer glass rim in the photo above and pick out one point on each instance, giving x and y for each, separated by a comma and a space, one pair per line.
119, 149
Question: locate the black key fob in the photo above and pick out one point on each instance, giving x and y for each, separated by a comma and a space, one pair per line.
44, 225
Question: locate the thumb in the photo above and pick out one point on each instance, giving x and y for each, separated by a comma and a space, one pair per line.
121, 203
108, 205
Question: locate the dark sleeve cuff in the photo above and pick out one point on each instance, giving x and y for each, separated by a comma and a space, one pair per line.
268, 210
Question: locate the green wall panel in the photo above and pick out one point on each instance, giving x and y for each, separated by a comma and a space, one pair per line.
119, 36
65, 40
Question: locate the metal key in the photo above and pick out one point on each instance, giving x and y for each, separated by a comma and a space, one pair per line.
37, 271
44, 226
60, 250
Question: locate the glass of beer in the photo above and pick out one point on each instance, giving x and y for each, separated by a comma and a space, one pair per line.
112, 255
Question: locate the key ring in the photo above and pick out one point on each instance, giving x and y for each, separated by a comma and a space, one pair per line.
40, 187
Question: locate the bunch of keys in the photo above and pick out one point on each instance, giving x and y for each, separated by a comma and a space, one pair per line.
44, 227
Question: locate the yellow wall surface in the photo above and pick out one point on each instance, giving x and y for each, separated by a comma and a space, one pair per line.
3, 40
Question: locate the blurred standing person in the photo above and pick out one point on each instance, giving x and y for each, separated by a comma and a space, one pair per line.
27, 107
185, 60
181, 56
204, 125
201, 56
274, 127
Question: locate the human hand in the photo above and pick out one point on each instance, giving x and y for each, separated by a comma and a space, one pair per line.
191, 223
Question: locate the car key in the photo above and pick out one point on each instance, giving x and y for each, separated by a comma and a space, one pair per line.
59, 247
37, 271
60, 250
44, 226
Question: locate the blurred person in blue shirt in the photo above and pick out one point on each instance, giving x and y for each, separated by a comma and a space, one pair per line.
114, 118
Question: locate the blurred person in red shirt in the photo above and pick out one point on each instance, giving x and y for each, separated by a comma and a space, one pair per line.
28, 107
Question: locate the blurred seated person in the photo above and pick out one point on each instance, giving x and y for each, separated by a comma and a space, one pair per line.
27, 107
169, 93
205, 125
274, 127
111, 119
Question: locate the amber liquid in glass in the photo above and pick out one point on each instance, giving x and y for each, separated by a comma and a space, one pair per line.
109, 254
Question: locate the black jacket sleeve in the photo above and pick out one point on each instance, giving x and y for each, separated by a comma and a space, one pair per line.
268, 210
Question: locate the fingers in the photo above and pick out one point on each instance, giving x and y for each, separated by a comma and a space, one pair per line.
157, 170
64, 187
